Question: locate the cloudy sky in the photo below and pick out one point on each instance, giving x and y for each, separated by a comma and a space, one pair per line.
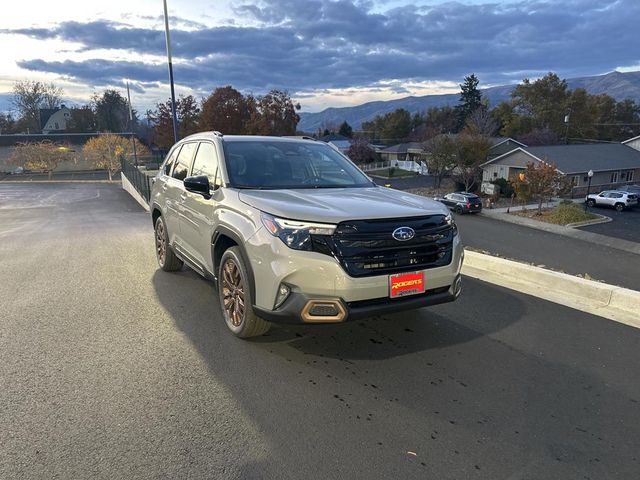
324, 52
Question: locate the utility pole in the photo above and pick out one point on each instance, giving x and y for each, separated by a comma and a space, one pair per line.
133, 138
173, 93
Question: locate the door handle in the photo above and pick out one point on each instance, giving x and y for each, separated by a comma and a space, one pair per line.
183, 196
164, 187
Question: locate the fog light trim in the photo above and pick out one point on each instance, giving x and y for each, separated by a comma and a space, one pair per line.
338, 311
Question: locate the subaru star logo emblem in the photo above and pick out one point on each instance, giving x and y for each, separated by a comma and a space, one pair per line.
402, 234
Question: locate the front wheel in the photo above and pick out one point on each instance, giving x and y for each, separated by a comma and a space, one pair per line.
236, 302
591, 203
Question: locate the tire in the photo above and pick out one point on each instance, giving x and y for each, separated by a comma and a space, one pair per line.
167, 260
458, 210
619, 207
591, 203
234, 287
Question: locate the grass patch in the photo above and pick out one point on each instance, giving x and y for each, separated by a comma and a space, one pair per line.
395, 172
565, 213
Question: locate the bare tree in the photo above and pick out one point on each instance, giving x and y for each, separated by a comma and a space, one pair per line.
30, 96
481, 122
441, 156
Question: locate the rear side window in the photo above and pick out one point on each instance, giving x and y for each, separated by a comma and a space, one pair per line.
206, 162
184, 161
171, 159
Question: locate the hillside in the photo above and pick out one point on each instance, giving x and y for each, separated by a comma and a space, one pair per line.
617, 84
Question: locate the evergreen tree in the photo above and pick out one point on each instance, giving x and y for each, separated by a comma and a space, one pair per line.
345, 130
470, 99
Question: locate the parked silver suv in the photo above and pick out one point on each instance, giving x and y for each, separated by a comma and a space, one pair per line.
293, 232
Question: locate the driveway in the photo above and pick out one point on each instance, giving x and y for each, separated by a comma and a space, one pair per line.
111, 368
624, 225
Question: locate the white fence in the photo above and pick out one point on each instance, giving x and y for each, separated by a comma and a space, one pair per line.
403, 164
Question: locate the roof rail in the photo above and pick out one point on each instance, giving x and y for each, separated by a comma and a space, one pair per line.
217, 134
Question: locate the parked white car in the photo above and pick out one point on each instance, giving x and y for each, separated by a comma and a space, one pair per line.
612, 198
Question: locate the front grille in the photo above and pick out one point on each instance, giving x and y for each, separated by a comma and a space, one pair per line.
367, 247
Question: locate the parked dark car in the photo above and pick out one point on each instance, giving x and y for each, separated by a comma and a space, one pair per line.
462, 202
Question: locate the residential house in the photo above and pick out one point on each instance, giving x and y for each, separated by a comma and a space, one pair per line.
54, 120
411, 151
613, 164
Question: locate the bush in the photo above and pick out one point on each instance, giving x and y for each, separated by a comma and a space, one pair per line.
506, 188
569, 212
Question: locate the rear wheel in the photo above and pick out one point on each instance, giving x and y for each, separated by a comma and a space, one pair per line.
167, 260
236, 302
591, 203
458, 209
619, 206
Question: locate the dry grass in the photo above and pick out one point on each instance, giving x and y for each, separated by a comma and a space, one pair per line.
563, 214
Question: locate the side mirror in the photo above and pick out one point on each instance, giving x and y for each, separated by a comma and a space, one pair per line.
198, 184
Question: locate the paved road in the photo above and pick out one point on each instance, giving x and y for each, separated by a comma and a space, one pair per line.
625, 225
562, 253
110, 368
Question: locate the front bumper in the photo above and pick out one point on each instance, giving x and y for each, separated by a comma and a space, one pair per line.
314, 276
290, 310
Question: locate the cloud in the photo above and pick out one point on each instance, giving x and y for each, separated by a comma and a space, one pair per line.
304, 46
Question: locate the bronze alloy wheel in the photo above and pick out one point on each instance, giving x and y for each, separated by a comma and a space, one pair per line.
161, 243
233, 292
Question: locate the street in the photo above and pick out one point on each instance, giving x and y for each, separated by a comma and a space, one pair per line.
569, 255
111, 368
625, 225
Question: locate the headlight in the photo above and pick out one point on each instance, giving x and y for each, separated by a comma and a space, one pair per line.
449, 219
295, 234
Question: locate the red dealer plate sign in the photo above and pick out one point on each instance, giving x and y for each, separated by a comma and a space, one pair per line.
404, 284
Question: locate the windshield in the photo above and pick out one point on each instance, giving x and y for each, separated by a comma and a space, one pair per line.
274, 164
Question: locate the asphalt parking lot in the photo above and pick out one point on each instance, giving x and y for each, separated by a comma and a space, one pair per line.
110, 368
624, 225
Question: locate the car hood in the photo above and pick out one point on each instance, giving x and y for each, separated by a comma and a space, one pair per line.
334, 205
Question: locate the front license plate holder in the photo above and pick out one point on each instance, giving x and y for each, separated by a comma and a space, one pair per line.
406, 284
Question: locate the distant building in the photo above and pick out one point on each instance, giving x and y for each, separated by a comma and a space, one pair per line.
411, 151
613, 164
54, 120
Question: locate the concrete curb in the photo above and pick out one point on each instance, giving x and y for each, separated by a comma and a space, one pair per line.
128, 187
608, 301
595, 221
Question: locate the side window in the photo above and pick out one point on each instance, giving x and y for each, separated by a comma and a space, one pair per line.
184, 161
171, 159
206, 162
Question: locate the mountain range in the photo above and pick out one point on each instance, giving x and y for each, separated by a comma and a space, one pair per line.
619, 85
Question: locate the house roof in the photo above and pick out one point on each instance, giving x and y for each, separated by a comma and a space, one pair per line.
45, 115
496, 141
569, 159
403, 147
333, 136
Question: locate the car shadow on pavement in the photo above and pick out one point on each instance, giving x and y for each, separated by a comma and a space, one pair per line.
472, 387
193, 304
